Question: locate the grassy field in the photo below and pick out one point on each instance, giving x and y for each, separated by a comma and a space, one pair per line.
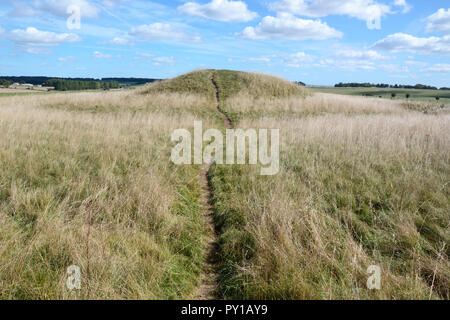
7, 93
85, 179
21, 92
361, 183
428, 96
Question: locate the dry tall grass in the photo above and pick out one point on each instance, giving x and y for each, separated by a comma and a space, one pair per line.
319, 104
85, 179
131, 102
361, 183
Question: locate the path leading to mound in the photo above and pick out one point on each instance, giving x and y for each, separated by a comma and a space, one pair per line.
226, 119
207, 290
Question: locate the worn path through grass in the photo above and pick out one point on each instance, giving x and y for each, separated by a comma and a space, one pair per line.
209, 280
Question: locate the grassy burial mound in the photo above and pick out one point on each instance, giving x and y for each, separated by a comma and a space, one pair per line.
233, 83
253, 90
196, 82
230, 83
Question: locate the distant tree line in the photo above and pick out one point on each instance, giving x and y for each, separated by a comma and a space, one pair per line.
5, 83
40, 80
64, 85
131, 81
22, 80
384, 85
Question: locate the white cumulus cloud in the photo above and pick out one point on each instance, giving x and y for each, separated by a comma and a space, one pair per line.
370, 11
402, 3
22, 9
298, 60
221, 10
288, 27
359, 54
161, 31
32, 37
440, 67
404, 42
439, 21
59, 7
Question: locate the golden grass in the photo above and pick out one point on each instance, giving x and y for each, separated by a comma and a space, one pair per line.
259, 85
86, 180
318, 104
195, 82
130, 102
361, 183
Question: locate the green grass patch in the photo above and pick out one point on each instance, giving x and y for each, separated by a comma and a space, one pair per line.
400, 94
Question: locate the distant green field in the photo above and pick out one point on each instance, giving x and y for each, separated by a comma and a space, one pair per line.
6, 94
415, 94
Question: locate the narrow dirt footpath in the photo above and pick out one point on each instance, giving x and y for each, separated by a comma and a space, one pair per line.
226, 119
207, 290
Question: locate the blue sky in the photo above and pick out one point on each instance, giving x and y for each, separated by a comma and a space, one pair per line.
320, 42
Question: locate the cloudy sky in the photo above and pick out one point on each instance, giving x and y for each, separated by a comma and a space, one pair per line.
315, 41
